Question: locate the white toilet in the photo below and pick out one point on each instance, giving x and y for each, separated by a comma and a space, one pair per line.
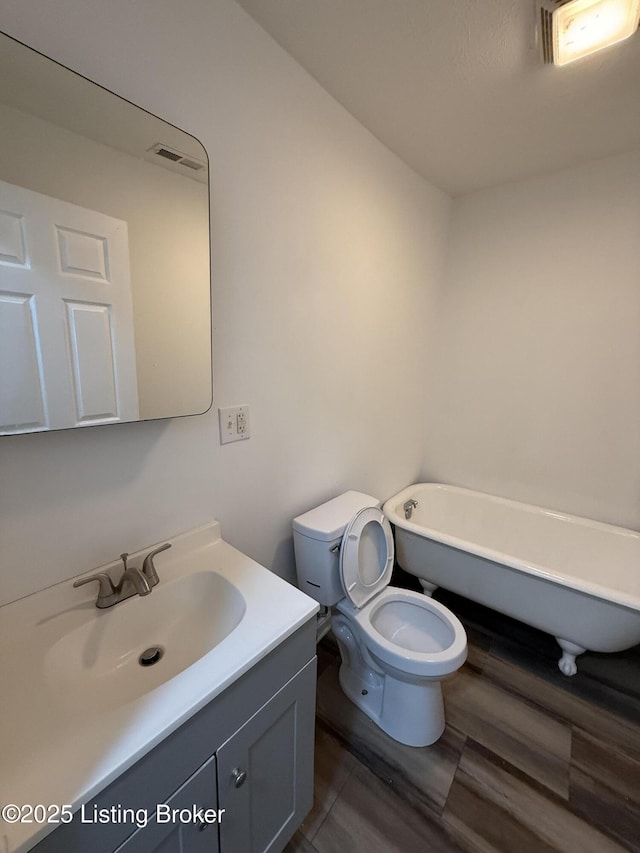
396, 645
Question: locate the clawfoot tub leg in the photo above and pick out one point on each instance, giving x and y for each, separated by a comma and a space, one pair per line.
427, 587
567, 662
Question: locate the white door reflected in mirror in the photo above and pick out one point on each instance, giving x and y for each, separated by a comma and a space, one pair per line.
66, 316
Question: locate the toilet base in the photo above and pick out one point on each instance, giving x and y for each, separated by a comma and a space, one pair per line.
412, 714
408, 709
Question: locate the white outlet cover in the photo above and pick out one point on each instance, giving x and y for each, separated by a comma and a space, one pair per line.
234, 424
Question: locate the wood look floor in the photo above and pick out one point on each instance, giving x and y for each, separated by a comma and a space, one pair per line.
530, 761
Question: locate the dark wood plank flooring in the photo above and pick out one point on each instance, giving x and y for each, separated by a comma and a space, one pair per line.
530, 760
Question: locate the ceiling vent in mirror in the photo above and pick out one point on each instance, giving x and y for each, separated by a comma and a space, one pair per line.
172, 158
163, 151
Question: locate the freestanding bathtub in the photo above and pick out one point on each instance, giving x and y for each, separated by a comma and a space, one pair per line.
571, 577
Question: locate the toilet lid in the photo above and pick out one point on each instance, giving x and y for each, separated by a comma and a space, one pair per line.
366, 555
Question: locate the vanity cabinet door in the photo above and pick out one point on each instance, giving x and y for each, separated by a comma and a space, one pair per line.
265, 770
181, 835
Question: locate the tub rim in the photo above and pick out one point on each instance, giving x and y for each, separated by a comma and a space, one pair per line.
601, 591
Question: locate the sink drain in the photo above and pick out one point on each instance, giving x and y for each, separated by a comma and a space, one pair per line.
150, 656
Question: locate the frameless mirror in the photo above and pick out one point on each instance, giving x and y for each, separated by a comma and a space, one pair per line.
105, 296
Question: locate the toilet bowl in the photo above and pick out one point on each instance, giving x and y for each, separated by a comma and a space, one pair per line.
396, 645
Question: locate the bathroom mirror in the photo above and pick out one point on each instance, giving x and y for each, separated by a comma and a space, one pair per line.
105, 296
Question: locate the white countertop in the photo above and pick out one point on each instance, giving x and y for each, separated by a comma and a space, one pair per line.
53, 751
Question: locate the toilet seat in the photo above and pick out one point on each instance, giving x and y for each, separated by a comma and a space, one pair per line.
410, 658
406, 630
366, 555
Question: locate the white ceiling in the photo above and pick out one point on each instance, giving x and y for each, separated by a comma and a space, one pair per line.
457, 88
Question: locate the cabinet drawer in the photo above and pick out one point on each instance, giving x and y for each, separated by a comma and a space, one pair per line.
177, 829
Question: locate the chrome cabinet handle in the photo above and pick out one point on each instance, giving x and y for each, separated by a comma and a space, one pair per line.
238, 777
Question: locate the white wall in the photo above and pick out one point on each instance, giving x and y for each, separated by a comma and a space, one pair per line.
327, 255
538, 354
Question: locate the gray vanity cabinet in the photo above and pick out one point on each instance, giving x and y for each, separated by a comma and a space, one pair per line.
263, 769
249, 752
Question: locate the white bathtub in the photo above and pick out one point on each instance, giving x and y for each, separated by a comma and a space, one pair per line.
571, 577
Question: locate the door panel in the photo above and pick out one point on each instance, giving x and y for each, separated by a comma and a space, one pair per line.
93, 360
274, 751
83, 254
21, 387
12, 240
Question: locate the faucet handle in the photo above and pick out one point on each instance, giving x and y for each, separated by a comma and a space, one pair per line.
148, 569
107, 591
409, 506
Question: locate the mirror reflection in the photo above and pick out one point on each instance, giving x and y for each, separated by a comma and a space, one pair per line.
105, 310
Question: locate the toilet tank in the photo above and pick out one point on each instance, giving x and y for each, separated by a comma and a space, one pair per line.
317, 535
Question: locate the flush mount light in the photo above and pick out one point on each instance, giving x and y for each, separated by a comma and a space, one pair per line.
581, 27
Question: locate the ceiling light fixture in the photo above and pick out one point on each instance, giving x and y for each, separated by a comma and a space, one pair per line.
581, 27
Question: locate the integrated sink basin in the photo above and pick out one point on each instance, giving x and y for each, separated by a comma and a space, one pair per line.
78, 709
97, 664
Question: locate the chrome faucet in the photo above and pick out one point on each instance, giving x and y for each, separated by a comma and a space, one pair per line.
106, 594
135, 578
132, 582
148, 569
409, 507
